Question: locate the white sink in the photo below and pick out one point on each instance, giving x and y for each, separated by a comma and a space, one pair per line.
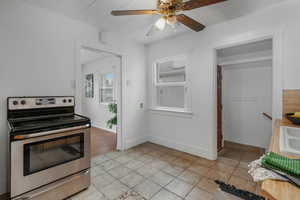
290, 140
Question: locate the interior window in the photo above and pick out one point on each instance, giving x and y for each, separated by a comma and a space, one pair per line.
171, 71
106, 88
170, 88
170, 96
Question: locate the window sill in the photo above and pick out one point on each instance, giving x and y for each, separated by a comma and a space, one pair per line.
171, 112
106, 103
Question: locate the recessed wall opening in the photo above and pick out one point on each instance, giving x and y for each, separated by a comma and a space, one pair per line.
244, 96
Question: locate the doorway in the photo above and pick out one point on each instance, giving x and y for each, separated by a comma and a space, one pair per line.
101, 97
245, 95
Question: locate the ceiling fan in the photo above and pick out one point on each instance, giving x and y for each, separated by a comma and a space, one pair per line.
171, 11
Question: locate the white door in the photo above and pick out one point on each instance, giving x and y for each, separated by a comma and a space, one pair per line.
247, 93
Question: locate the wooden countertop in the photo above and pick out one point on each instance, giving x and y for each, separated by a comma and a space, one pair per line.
280, 190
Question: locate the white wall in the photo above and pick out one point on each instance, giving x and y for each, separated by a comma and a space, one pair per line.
197, 134
37, 54
96, 111
247, 92
37, 58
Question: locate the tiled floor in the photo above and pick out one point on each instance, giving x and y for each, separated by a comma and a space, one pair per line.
102, 141
154, 172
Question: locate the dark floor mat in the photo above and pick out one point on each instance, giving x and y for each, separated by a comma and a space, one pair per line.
243, 194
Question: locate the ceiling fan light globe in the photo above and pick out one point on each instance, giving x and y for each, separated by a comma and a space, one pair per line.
160, 24
172, 20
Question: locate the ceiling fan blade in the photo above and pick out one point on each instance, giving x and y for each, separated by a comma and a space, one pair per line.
192, 4
133, 12
189, 22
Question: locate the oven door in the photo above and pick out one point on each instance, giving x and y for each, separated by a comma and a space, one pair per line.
38, 161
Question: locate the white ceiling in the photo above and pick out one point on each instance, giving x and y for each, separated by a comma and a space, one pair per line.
97, 12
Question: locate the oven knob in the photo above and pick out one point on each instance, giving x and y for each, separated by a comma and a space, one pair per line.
15, 103
64, 101
23, 102
70, 100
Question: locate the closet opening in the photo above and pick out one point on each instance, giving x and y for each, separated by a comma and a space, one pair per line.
244, 100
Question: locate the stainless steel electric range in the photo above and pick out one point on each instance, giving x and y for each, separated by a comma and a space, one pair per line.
49, 148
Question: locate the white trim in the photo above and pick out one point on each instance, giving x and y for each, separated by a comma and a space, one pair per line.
96, 125
95, 60
171, 112
132, 142
266, 64
96, 46
106, 104
177, 57
191, 149
277, 39
170, 84
250, 60
154, 104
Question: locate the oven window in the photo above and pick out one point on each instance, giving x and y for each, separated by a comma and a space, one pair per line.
42, 155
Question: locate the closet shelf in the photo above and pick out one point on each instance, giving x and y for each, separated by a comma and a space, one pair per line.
249, 60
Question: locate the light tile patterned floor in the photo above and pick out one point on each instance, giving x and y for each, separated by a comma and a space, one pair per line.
150, 171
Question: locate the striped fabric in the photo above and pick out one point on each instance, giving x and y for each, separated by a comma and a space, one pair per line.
281, 163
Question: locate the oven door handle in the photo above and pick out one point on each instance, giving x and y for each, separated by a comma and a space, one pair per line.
26, 136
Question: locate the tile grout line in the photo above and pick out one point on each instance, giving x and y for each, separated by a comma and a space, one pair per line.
148, 178
162, 187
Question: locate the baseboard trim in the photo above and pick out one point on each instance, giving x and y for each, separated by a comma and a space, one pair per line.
132, 142
94, 124
4, 196
180, 147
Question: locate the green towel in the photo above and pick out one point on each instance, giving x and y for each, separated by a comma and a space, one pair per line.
281, 163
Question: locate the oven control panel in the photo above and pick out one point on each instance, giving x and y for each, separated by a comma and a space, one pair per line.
45, 101
20, 103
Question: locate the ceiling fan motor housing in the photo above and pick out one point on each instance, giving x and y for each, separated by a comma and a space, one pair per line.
169, 8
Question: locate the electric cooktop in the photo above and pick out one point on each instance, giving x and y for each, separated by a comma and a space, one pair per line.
28, 115
45, 123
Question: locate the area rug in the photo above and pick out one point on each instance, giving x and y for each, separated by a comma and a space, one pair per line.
131, 195
242, 194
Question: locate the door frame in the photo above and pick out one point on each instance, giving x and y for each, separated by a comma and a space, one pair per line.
277, 82
220, 136
99, 47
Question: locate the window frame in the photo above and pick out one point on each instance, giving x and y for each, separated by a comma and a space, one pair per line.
100, 85
156, 84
